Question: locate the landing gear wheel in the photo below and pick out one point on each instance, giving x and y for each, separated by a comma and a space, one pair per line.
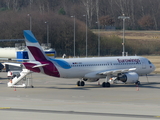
108, 84
138, 83
80, 83
104, 84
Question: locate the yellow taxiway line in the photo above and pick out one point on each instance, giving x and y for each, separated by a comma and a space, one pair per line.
5, 108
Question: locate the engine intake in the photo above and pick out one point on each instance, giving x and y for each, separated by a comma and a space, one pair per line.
122, 77
130, 77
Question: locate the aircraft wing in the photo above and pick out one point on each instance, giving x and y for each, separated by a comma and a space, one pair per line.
19, 64
98, 74
13, 59
115, 71
14, 64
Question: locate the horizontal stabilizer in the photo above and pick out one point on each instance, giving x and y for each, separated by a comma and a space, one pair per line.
13, 64
39, 65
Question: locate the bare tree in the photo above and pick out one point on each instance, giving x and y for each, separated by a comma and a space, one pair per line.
146, 22
30, 4
154, 10
8, 2
89, 5
106, 20
97, 9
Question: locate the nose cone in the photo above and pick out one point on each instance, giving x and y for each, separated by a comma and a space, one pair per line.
153, 67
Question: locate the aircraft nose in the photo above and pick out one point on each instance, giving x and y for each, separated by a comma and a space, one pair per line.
153, 67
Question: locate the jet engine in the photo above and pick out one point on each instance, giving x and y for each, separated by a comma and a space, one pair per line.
130, 77
91, 80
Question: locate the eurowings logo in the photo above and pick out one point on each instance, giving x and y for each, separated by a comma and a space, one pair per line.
128, 60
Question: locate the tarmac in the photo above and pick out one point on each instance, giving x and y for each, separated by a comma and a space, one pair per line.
60, 99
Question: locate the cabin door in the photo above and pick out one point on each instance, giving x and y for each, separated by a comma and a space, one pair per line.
143, 64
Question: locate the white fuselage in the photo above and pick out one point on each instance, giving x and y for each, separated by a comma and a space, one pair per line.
79, 67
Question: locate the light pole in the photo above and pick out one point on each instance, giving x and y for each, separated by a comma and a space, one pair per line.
30, 21
74, 33
86, 37
47, 33
98, 38
123, 17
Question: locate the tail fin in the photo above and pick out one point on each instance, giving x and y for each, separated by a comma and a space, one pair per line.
35, 51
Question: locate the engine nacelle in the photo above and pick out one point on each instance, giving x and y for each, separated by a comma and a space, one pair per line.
130, 77
90, 80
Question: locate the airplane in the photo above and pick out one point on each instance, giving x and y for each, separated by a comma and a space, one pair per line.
122, 68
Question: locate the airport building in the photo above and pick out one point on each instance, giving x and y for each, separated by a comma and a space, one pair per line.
20, 52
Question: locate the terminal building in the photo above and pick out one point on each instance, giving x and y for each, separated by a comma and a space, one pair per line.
20, 52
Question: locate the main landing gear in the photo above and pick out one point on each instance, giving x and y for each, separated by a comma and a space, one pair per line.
138, 83
80, 83
106, 84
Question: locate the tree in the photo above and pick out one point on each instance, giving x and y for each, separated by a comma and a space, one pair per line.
106, 20
146, 22
61, 11
90, 7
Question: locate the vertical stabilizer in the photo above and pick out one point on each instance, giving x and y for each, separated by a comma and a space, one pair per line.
35, 51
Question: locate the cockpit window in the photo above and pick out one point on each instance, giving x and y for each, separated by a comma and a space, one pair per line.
149, 62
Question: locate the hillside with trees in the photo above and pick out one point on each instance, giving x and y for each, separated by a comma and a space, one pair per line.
144, 15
